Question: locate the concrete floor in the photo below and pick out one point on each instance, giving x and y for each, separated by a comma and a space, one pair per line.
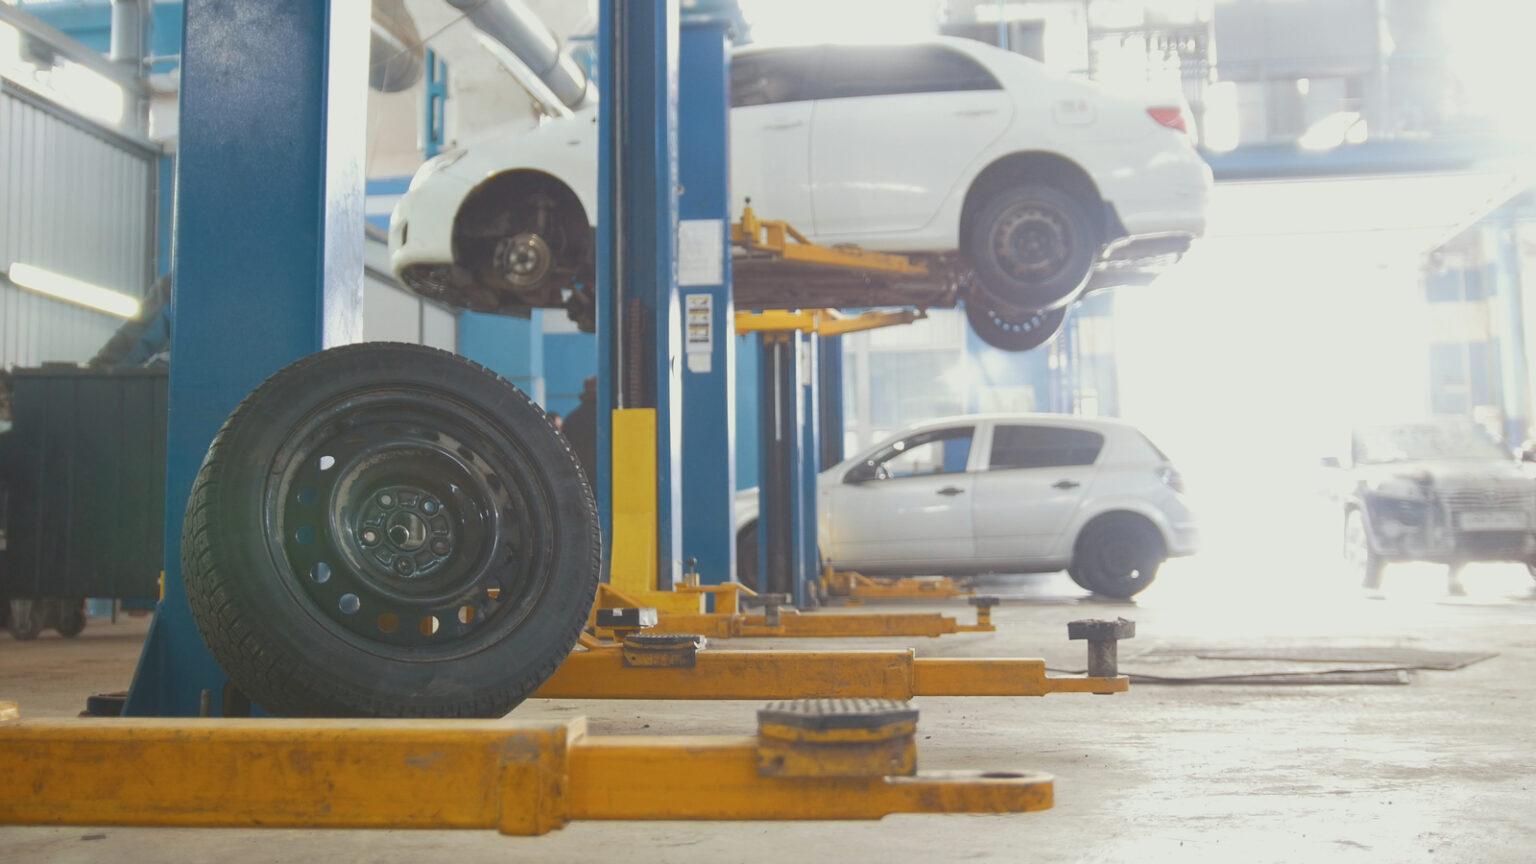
1439, 770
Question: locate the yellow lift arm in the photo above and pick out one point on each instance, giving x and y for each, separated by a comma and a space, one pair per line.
780, 240
808, 761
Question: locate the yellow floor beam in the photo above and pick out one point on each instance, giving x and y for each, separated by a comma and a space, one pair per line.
602, 673
857, 586
520, 778
679, 611
718, 779
819, 626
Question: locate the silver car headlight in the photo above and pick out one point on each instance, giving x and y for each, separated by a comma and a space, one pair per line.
434, 165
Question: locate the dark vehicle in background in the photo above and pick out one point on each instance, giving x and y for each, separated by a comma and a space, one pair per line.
1443, 491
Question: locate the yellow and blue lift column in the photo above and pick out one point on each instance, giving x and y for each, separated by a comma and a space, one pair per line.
709, 340
638, 318
268, 253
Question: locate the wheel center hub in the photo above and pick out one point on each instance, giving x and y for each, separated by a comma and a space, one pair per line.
407, 531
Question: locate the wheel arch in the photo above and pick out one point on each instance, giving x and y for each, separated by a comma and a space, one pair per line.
1037, 166
1123, 512
489, 196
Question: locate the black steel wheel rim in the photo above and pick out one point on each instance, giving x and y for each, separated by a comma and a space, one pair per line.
1032, 243
408, 524
1124, 562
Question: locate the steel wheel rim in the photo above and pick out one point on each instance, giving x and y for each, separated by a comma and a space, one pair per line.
1123, 561
525, 259
1032, 243
418, 471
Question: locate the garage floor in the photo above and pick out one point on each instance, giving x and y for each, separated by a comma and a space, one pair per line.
1439, 769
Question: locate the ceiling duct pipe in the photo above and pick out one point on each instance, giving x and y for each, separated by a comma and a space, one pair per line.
396, 58
514, 25
128, 40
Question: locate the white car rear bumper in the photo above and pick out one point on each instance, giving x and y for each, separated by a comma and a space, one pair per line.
421, 228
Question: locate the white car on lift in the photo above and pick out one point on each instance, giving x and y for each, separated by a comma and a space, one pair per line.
1017, 182
999, 493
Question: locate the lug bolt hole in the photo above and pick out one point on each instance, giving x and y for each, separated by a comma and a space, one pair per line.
429, 506
404, 567
440, 547
386, 500
370, 537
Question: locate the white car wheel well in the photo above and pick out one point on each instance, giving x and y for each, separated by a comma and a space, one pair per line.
1035, 167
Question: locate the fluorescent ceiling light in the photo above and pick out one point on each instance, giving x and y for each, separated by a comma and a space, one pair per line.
73, 290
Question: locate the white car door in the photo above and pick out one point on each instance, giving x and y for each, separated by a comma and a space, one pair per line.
894, 128
771, 135
908, 504
1034, 480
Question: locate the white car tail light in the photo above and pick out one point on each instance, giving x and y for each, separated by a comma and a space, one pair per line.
1174, 117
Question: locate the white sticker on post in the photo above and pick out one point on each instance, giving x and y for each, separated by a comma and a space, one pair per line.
701, 252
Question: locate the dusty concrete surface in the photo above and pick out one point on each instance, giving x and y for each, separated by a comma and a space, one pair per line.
1439, 770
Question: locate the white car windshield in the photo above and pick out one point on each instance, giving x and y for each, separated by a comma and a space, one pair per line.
1426, 441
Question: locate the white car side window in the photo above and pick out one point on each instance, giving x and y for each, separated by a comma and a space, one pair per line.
943, 452
1042, 447
772, 77
889, 70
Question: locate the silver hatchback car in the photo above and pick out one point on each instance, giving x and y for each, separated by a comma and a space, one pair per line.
999, 493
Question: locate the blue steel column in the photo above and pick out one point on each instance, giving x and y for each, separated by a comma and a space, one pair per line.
268, 252
639, 346
829, 380
781, 540
709, 370
808, 463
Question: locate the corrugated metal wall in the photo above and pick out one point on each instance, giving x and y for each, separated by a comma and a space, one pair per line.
77, 200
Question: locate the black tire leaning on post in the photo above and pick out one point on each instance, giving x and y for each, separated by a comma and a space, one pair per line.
293, 654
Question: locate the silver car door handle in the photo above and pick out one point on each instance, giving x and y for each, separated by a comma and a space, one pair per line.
976, 112
951, 490
794, 124
1065, 484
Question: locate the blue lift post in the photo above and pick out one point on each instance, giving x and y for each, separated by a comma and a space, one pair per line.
268, 253
787, 554
709, 357
829, 380
808, 568
638, 318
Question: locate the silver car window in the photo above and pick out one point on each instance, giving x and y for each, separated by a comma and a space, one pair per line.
772, 77
851, 71
1042, 447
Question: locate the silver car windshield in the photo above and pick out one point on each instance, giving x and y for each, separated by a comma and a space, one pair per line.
1426, 441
